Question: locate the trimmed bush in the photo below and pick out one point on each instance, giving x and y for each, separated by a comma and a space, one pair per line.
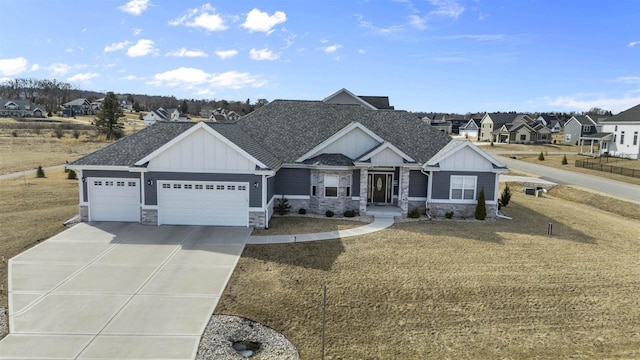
71, 175
481, 207
329, 213
541, 156
302, 211
414, 213
349, 213
448, 214
564, 160
40, 172
505, 197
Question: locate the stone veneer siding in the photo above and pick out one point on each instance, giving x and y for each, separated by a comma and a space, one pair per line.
84, 212
149, 216
257, 219
403, 198
468, 211
321, 204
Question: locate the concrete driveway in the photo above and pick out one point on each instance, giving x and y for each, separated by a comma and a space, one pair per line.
118, 291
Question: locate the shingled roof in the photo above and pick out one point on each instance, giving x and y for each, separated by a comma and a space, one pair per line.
282, 131
632, 114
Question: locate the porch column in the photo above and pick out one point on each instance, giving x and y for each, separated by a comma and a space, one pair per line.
403, 201
591, 148
364, 179
581, 144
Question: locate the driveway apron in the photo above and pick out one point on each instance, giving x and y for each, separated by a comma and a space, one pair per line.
118, 291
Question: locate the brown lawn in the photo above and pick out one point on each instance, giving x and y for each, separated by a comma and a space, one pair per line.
456, 289
532, 148
33, 210
304, 225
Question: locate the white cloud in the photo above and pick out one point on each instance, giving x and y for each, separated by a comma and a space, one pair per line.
13, 66
183, 52
204, 17
131, 77
82, 77
627, 80
135, 7
417, 22
263, 54
143, 47
59, 69
482, 16
477, 37
614, 104
447, 8
84, 30
633, 43
261, 21
136, 32
225, 54
376, 29
116, 46
331, 48
362, 51
34, 67
203, 82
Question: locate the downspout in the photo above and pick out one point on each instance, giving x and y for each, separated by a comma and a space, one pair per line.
266, 201
427, 210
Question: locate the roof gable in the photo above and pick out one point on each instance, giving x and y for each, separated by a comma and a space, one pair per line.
631, 114
352, 140
463, 155
386, 154
344, 96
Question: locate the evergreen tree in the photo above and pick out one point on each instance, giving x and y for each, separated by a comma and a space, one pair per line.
184, 108
541, 156
40, 172
481, 207
564, 160
505, 197
108, 120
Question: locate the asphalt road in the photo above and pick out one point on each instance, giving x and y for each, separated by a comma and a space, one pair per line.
563, 177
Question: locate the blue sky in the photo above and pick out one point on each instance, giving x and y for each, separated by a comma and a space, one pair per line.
426, 55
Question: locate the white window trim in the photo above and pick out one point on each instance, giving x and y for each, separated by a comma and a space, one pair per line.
337, 183
464, 179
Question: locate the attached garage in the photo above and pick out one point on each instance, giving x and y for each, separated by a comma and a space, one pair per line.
203, 203
114, 199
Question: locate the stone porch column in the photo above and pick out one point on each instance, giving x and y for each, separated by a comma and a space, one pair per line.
404, 191
364, 179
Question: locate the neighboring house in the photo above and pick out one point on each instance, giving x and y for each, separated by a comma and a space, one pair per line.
555, 126
492, 123
78, 107
623, 130
160, 114
576, 127
20, 108
543, 134
206, 113
456, 122
344, 96
470, 129
522, 133
546, 119
319, 156
223, 115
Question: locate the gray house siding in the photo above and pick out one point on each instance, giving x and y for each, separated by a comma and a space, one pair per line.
441, 182
293, 182
355, 183
105, 174
574, 129
151, 192
418, 183
271, 187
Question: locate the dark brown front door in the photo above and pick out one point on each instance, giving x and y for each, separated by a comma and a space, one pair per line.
379, 188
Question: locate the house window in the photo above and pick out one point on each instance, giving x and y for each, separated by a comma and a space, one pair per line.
132, 183
242, 187
198, 187
231, 187
314, 184
523, 137
586, 128
219, 187
120, 183
97, 183
463, 187
635, 138
621, 137
209, 187
615, 128
330, 185
108, 183
567, 137
348, 191
166, 186
177, 186
188, 186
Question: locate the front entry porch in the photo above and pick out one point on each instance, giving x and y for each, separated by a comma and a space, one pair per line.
383, 210
384, 191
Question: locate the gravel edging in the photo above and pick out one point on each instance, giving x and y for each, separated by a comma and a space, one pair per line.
4, 322
223, 330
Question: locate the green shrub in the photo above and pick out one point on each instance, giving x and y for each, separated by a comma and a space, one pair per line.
349, 213
481, 207
302, 211
564, 160
448, 214
71, 175
59, 133
283, 207
14, 133
76, 134
40, 172
505, 197
329, 213
541, 156
414, 213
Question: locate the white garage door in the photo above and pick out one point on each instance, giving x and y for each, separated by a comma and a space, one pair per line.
114, 199
203, 203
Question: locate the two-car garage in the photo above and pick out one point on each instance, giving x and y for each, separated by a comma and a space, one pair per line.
178, 202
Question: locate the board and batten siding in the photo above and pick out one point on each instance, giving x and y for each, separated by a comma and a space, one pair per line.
387, 157
201, 151
466, 160
151, 191
442, 179
104, 174
271, 187
352, 144
293, 182
418, 184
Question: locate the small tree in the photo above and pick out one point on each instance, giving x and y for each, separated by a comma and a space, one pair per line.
108, 120
283, 207
58, 132
541, 156
76, 133
40, 172
71, 175
491, 142
564, 160
505, 197
481, 207
184, 108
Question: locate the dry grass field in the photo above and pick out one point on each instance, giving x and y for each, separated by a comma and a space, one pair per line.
533, 148
304, 225
33, 210
456, 289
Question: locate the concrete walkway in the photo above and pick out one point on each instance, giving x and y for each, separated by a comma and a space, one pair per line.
119, 291
28, 172
379, 223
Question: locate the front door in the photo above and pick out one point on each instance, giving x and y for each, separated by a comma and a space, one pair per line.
380, 188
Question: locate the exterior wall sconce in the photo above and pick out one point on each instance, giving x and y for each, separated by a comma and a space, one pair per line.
256, 184
150, 182
84, 179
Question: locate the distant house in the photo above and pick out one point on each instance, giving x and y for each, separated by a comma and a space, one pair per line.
492, 122
576, 127
223, 115
124, 104
623, 130
160, 114
78, 107
470, 129
20, 108
346, 97
546, 119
